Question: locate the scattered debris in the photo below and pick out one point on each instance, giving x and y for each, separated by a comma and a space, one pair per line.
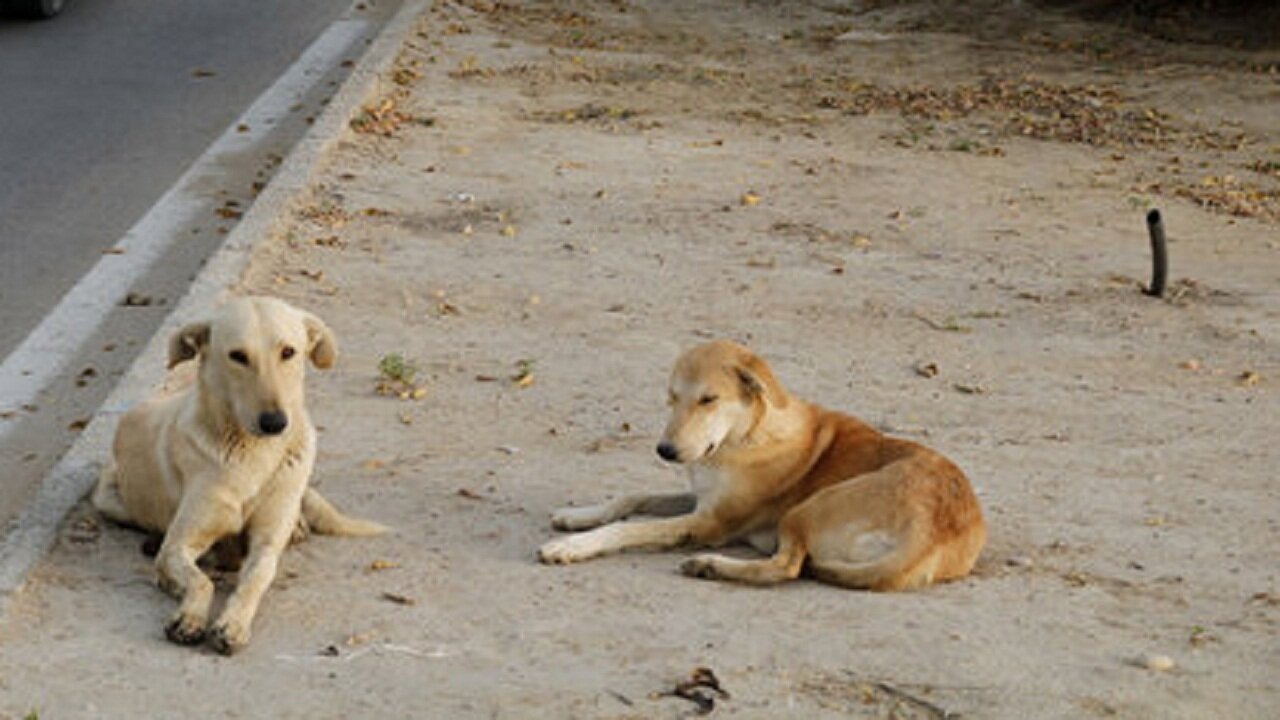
83, 531
927, 370
1153, 661
951, 324
332, 652
925, 705
85, 375
620, 697
1159, 254
385, 119
524, 373
380, 564
328, 213
1200, 636
398, 598
589, 112
397, 378
702, 689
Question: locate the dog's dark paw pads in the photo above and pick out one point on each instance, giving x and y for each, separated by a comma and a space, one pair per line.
698, 568
183, 631
221, 642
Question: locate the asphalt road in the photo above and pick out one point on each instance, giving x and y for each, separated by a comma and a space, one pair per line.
102, 110
104, 107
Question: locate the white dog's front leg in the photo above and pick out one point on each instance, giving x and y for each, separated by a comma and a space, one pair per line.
199, 523
649, 534
269, 532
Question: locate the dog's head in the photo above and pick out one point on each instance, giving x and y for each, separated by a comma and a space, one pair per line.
252, 354
717, 394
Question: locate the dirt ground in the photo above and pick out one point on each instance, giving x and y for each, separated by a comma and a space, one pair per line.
929, 217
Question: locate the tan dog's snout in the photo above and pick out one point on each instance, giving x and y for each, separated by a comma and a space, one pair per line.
668, 451
716, 393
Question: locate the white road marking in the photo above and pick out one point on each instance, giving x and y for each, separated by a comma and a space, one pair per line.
46, 352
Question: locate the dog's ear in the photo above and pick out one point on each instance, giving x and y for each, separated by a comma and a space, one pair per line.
759, 381
322, 346
188, 343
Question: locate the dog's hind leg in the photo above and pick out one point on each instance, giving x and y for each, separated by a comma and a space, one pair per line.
784, 565
874, 559
889, 573
106, 496
592, 516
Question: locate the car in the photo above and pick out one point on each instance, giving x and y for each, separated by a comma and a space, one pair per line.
38, 9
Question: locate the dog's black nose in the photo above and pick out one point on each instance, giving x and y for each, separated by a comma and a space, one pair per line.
273, 423
668, 452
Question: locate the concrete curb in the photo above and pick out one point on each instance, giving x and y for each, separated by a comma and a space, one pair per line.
33, 532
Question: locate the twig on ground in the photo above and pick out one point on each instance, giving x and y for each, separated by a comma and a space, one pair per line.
919, 702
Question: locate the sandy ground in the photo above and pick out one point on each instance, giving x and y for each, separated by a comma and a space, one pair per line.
932, 220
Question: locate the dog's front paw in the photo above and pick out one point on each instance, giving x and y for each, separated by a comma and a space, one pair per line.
227, 638
700, 566
576, 518
169, 586
184, 629
564, 551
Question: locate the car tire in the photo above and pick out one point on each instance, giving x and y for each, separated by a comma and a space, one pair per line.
33, 8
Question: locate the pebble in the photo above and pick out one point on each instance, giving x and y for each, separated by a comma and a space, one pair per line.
1153, 661
1020, 561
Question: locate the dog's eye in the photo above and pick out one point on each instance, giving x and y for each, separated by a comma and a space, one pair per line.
286, 352
238, 356
707, 399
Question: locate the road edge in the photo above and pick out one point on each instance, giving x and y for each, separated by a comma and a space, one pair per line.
35, 529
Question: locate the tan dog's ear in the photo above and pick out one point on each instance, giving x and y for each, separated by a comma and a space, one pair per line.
759, 381
322, 346
188, 342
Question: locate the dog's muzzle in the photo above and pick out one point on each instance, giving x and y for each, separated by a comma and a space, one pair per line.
668, 452
273, 423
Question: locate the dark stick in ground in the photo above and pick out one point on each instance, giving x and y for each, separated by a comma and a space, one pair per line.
1159, 254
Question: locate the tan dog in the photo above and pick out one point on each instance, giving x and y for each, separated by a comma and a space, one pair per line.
815, 488
223, 453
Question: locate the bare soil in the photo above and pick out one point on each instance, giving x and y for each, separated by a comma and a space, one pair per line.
930, 217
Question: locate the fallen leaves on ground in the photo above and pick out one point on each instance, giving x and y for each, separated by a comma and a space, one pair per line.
385, 118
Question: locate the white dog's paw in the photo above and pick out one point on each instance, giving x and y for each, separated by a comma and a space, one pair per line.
565, 550
577, 518
701, 566
185, 629
228, 637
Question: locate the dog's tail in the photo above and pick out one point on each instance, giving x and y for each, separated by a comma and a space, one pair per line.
323, 518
